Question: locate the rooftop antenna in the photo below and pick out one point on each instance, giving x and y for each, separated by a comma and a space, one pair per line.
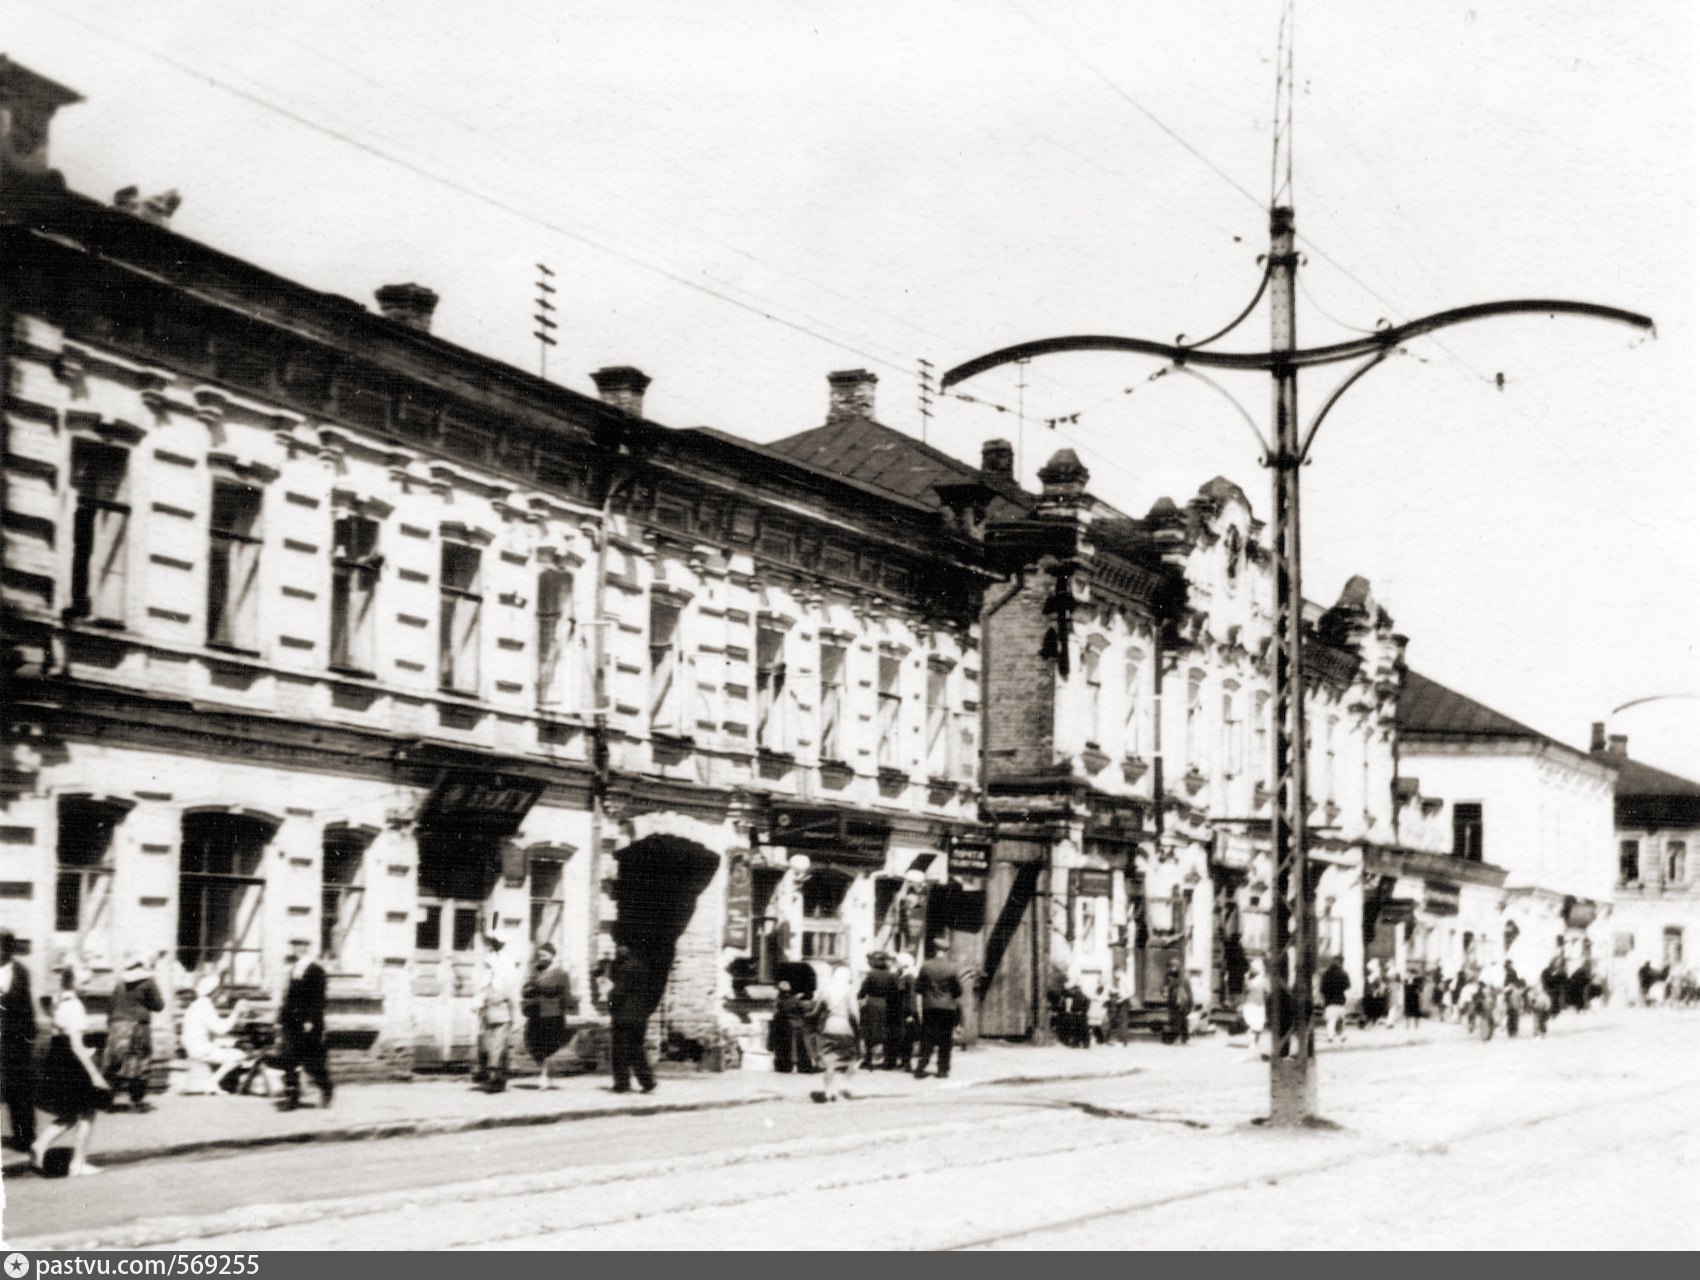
924, 375
544, 323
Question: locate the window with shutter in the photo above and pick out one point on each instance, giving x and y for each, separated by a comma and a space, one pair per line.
890, 712
557, 669
666, 694
938, 722
355, 564
772, 728
458, 639
832, 733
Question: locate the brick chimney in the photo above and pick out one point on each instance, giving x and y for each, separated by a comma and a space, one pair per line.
27, 104
1597, 740
410, 304
997, 458
851, 395
1618, 745
622, 386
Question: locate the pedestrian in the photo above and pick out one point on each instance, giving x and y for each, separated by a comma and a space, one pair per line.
1335, 985
1235, 968
839, 1034
1177, 995
17, 1044
1437, 991
1460, 985
203, 1029
881, 1011
938, 992
1413, 998
1099, 1013
1515, 991
127, 1062
1556, 980
496, 999
1120, 1010
546, 1001
1376, 997
1579, 981
1077, 1007
1255, 1009
301, 1028
784, 1033
630, 1003
72, 1089
1540, 1005
910, 1028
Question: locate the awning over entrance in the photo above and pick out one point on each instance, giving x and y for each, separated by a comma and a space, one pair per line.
495, 803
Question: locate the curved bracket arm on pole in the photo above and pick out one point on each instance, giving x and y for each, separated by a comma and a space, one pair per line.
1226, 395
1262, 287
1269, 360
1345, 385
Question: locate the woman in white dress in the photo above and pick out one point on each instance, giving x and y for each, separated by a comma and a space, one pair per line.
840, 1032
1255, 1010
72, 1086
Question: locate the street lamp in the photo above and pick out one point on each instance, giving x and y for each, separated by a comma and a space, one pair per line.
1292, 1088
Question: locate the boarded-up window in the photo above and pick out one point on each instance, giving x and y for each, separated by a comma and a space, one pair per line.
462, 592
100, 543
233, 569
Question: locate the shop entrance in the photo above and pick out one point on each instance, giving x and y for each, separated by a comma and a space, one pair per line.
458, 866
655, 895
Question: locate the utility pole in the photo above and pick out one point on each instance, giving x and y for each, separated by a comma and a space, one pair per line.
544, 324
1292, 972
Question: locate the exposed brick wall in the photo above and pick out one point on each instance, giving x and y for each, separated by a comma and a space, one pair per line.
1020, 685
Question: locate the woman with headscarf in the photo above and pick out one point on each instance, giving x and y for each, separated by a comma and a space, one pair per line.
545, 1001
882, 1011
839, 1034
128, 1060
72, 1086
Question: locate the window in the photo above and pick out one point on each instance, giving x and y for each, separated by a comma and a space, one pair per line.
219, 891
1133, 731
82, 900
666, 695
99, 546
1330, 738
457, 871
557, 671
1673, 948
823, 915
832, 701
891, 711
462, 602
1629, 861
767, 935
1467, 831
548, 900
1261, 749
1676, 862
1233, 745
772, 729
1093, 675
1195, 722
938, 721
342, 895
354, 587
233, 570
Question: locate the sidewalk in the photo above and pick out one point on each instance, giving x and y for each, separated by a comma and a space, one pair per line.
181, 1125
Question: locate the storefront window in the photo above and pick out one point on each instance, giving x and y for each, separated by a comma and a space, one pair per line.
457, 871
823, 915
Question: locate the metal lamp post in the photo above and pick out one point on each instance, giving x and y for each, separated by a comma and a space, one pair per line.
1292, 1089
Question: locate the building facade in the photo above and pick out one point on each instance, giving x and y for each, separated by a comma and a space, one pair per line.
1656, 916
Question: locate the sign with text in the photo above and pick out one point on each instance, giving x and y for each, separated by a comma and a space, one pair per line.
496, 802
739, 904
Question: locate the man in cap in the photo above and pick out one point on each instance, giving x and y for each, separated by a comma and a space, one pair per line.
17, 1043
938, 991
495, 1016
128, 1060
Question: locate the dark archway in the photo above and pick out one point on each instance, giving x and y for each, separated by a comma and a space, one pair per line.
655, 895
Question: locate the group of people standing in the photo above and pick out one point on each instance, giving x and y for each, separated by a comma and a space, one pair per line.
899, 1014
542, 1001
72, 1086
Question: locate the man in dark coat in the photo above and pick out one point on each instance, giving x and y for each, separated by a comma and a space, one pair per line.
301, 1029
630, 1002
1335, 984
1556, 982
938, 990
17, 1043
1177, 994
127, 1062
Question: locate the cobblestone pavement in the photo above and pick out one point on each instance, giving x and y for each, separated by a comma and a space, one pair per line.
1575, 1141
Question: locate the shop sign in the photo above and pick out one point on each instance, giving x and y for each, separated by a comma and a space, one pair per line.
1440, 898
837, 835
496, 802
739, 903
1111, 823
1088, 882
970, 857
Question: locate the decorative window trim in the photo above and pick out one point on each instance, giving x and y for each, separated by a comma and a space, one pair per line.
107, 430
247, 472
471, 535
361, 505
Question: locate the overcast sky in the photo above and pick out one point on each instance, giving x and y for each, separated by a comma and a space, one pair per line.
743, 196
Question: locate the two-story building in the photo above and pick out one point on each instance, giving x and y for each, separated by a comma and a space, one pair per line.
321, 629
1656, 915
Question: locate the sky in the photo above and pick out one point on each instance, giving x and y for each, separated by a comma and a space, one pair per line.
743, 197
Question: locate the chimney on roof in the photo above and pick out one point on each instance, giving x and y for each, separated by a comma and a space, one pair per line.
1597, 740
410, 304
622, 386
851, 395
27, 104
997, 458
1618, 745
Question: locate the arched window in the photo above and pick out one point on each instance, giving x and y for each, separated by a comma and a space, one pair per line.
220, 887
